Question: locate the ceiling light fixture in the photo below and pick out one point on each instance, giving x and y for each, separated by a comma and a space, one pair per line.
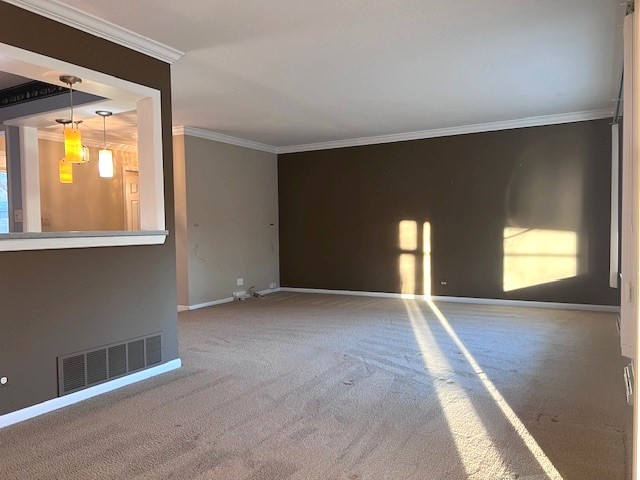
73, 149
105, 156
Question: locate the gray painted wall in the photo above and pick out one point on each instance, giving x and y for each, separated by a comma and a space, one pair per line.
180, 200
54, 302
231, 222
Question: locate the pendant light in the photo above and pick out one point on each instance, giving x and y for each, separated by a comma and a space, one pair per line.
65, 169
72, 137
105, 156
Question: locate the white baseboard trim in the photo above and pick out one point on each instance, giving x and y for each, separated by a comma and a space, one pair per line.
198, 306
66, 400
471, 300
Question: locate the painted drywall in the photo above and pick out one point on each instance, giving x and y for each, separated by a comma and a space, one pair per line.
231, 219
55, 302
180, 199
517, 214
90, 202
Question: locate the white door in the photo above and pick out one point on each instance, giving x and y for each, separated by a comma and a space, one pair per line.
132, 199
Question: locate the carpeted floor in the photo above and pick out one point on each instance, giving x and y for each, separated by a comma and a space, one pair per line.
299, 386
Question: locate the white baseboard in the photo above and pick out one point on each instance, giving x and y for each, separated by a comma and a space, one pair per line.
197, 306
480, 301
66, 400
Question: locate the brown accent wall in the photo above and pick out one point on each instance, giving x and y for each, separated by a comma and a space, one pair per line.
54, 302
340, 212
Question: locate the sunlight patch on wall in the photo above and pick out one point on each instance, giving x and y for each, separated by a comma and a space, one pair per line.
408, 235
412, 282
535, 257
426, 259
408, 273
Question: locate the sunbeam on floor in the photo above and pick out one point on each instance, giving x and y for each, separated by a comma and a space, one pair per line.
302, 386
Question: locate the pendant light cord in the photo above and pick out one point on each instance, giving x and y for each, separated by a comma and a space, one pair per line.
71, 93
104, 131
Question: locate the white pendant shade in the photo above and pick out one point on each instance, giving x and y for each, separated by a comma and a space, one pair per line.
105, 163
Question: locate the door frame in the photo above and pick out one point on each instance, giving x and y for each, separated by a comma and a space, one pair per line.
125, 169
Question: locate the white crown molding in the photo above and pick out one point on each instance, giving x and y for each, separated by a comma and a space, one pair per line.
88, 23
219, 137
401, 137
450, 131
89, 142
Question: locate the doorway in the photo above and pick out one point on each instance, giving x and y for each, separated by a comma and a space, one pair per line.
131, 199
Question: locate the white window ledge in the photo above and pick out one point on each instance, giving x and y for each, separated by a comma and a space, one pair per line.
13, 242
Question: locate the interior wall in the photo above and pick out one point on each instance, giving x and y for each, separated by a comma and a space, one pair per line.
180, 194
90, 203
55, 302
232, 219
515, 214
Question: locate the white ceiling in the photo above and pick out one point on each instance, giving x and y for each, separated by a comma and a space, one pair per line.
122, 128
291, 72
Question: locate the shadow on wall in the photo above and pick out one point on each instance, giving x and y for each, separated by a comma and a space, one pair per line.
543, 238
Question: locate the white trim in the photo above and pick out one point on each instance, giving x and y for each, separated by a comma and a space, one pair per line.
219, 137
18, 244
198, 306
614, 240
449, 131
478, 301
66, 400
89, 142
400, 137
152, 214
98, 27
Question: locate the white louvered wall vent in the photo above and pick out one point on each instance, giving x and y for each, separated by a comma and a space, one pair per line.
85, 369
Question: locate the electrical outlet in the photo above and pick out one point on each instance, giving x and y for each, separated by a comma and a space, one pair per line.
272, 285
46, 221
17, 216
240, 282
4, 381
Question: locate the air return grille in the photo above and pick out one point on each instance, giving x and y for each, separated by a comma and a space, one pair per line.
91, 367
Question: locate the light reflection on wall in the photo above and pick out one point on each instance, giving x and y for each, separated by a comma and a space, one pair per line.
535, 257
408, 241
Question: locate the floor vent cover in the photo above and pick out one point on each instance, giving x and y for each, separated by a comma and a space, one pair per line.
85, 369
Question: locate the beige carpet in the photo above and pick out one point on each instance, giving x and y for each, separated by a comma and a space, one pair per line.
300, 386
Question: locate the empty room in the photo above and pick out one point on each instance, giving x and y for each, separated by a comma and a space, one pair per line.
319, 240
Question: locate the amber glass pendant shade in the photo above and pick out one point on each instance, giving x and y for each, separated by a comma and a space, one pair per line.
73, 145
66, 171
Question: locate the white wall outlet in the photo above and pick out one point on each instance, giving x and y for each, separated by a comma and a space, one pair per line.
272, 285
240, 281
4, 380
